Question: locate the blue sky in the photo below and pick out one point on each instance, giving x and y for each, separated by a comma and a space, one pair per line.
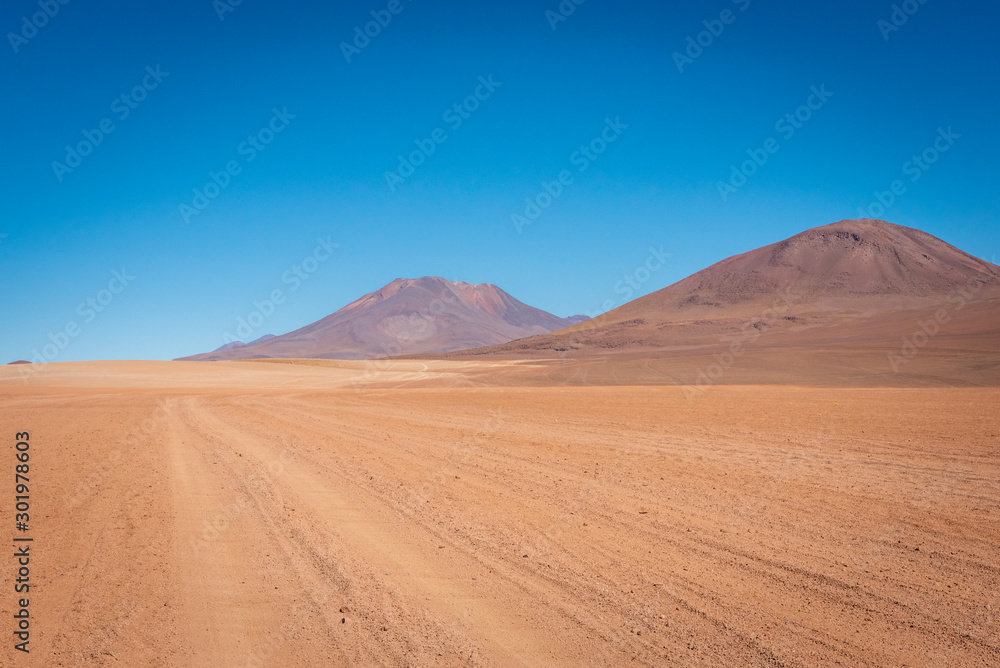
641, 136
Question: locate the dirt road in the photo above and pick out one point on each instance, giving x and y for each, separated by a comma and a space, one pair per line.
292, 516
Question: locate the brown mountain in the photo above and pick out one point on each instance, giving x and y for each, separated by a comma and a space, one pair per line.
853, 261
408, 316
843, 298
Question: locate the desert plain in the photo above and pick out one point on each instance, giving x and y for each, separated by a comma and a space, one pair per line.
496, 513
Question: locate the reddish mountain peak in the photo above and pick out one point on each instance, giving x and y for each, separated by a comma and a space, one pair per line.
482, 294
844, 260
864, 269
854, 233
411, 316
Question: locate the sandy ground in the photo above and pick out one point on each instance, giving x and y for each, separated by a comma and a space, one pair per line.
248, 514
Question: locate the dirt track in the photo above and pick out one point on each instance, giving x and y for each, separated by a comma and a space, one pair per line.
250, 514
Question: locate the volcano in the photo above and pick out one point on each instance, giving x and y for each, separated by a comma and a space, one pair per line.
408, 316
846, 300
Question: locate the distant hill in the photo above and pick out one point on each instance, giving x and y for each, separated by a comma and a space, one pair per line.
859, 302
407, 316
239, 344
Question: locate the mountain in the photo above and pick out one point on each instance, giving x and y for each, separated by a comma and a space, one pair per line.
846, 296
408, 316
239, 344
853, 261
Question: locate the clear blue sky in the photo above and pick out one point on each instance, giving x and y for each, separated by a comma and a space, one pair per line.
324, 174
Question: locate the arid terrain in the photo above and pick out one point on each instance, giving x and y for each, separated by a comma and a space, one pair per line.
494, 513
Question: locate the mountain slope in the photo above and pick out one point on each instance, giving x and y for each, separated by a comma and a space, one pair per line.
850, 261
855, 273
239, 344
408, 316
